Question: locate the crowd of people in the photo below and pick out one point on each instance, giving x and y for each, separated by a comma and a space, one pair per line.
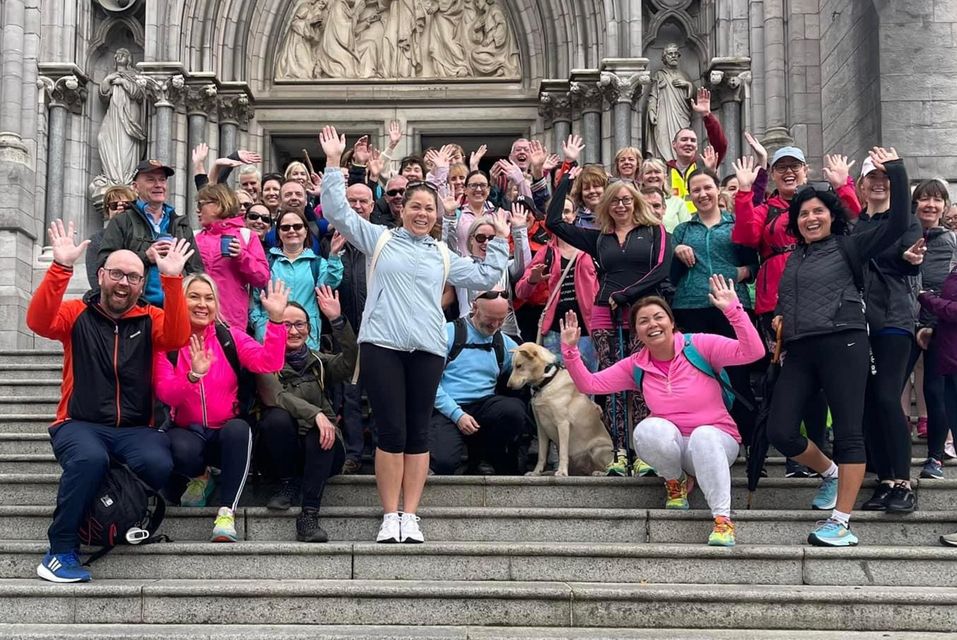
312, 317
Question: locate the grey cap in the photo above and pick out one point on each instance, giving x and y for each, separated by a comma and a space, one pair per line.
788, 152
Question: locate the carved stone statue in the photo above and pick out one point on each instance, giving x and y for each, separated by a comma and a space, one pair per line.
122, 133
400, 39
669, 106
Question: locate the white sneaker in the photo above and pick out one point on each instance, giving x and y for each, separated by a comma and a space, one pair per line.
410, 531
390, 530
949, 450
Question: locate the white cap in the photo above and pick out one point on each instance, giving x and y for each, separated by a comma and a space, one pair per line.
867, 166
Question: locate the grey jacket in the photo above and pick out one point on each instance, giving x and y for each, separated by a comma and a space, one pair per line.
939, 261
403, 308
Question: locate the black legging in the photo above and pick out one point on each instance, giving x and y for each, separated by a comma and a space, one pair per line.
401, 387
838, 363
229, 448
291, 455
887, 432
940, 419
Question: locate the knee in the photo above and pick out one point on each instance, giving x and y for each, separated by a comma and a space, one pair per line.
277, 420
91, 462
153, 466
236, 431
444, 462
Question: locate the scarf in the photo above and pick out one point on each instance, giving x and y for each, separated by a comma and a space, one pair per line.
297, 359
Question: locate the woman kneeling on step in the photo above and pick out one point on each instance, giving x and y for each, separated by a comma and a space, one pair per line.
201, 385
689, 432
300, 442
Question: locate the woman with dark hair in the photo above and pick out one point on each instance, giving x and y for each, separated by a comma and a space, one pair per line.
820, 311
930, 200
271, 186
891, 310
295, 263
403, 338
689, 432
587, 190
458, 223
632, 253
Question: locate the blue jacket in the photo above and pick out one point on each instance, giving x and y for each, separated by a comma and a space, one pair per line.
472, 375
403, 308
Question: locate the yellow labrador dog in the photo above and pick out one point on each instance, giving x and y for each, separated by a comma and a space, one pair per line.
563, 414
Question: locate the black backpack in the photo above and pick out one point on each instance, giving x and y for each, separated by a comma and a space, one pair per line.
125, 510
459, 343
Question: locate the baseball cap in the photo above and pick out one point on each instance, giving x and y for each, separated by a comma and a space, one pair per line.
867, 166
152, 165
788, 152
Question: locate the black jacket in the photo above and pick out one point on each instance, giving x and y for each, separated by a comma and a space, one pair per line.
817, 294
352, 289
939, 261
382, 214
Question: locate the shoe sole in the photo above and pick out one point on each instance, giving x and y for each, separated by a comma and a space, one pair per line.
313, 540
930, 476
223, 538
49, 576
827, 507
412, 541
720, 544
388, 541
817, 542
947, 543
911, 510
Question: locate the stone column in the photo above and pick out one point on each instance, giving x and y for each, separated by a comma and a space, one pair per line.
587, 99
233, 113
555, 107
728, 79
200, 104
67, 94
167, 84
621, 82
775, 75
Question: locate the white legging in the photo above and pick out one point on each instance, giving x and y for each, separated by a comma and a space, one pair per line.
707, 455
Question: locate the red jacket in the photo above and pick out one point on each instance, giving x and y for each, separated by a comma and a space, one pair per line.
107, 362
586, 285
772, 241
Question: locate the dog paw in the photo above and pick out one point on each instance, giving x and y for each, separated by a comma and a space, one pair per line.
561, 474
535, 472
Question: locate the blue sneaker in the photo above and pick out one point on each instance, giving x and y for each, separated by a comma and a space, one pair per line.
63, 567
826, 497
831, 533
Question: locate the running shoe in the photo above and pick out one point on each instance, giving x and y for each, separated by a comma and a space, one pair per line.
950, 540
933, 470
198, 491
307, 526
409, 529
677, 493
618, 466
389, 531
901, 499
63, 567
224, 529
723, 533
831, 533
878, 501
826, 497
642, 469
793, 469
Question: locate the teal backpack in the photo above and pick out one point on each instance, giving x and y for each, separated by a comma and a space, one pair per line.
701, 364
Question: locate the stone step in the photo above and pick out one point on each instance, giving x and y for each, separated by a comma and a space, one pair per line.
393, 632
480, 603
22, 371
24, 423
491, 524
30, 387
25, 443
30, 489
529, 562
44, 405
18, 357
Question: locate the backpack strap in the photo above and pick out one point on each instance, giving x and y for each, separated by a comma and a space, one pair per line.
701, 363
226, 341
460, 335
374, 259
446, 259
498, 345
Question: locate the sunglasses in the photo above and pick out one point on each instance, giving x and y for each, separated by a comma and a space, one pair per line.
119, 206
253, 217
292, 227
421, 183
482, 238
820, 185
245, 205
492, 295
395, 192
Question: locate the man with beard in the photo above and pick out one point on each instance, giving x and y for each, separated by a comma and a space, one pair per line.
106, 407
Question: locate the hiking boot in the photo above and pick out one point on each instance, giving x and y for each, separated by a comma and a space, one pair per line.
285, 496
677, 493
389, 531
793, 469
826, 497
350, 467
409, 529
307, 526
723, 533
901, 499
878, 501
198, 491
933, 470
224, 529
642, 469
63, 567
831, 533
618, 466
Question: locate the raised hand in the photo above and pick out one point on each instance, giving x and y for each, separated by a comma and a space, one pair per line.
228, 162
759, 149
65, 249
915, 253
361, 151
500, 223
710, 157
518, 217
200, 359
702, 103
337, 244
444, 155
572, 147
249, 157
722, 293
476, 157
551, 162
199, 154
332, 145
395, 134
512, 171
837, 169
880, 155
746, 172
328, 301
175, 259
570, 331
686, 254
375, 164
573, 173
274, 299
315, 184
536, 158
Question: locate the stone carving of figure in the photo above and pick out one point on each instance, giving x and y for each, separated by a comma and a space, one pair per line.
493, 52
403, 39
369, 31
446, 53
336, 55
122, 132
669, 106
297, 58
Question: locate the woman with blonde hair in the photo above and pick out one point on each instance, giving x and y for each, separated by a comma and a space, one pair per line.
632, 253
654, 173
626, 164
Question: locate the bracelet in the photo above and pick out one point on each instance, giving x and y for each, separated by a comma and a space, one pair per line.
194, 377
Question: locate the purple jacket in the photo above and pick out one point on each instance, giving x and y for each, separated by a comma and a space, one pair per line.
944, 306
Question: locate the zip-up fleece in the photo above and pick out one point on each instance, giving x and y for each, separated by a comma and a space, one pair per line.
107, 363
714, 253
214, 399
404, 305
685, 396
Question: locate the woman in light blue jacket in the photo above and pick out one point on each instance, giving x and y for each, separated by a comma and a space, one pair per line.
402, 338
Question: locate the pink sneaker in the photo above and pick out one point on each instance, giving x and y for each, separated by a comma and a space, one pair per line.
922, 428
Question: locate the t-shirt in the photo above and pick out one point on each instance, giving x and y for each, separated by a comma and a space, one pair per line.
567, 299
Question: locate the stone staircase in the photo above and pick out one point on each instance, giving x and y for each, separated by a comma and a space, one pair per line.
507, 557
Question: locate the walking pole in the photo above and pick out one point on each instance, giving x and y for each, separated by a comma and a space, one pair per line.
619, 332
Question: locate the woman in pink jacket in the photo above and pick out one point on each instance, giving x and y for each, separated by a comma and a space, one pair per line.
200, 383
232, 254
567, 276
689, 431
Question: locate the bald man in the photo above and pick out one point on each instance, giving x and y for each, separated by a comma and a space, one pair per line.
106, 406
469, 415
388, 209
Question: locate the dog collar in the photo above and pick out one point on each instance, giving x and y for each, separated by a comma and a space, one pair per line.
551, 371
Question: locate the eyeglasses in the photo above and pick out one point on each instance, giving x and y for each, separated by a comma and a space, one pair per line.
245, 205
291, 227
628, 201
477, 186
395, 192
253, 217
202, 203
298, 325
492, 295
122, 205
481, 238
793, 167
117, 275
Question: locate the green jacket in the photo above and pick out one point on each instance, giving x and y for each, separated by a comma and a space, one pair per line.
303, 395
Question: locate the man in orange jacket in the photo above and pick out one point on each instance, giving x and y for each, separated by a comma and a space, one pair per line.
109, 338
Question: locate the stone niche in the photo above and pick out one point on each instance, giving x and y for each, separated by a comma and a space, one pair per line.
395, 40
